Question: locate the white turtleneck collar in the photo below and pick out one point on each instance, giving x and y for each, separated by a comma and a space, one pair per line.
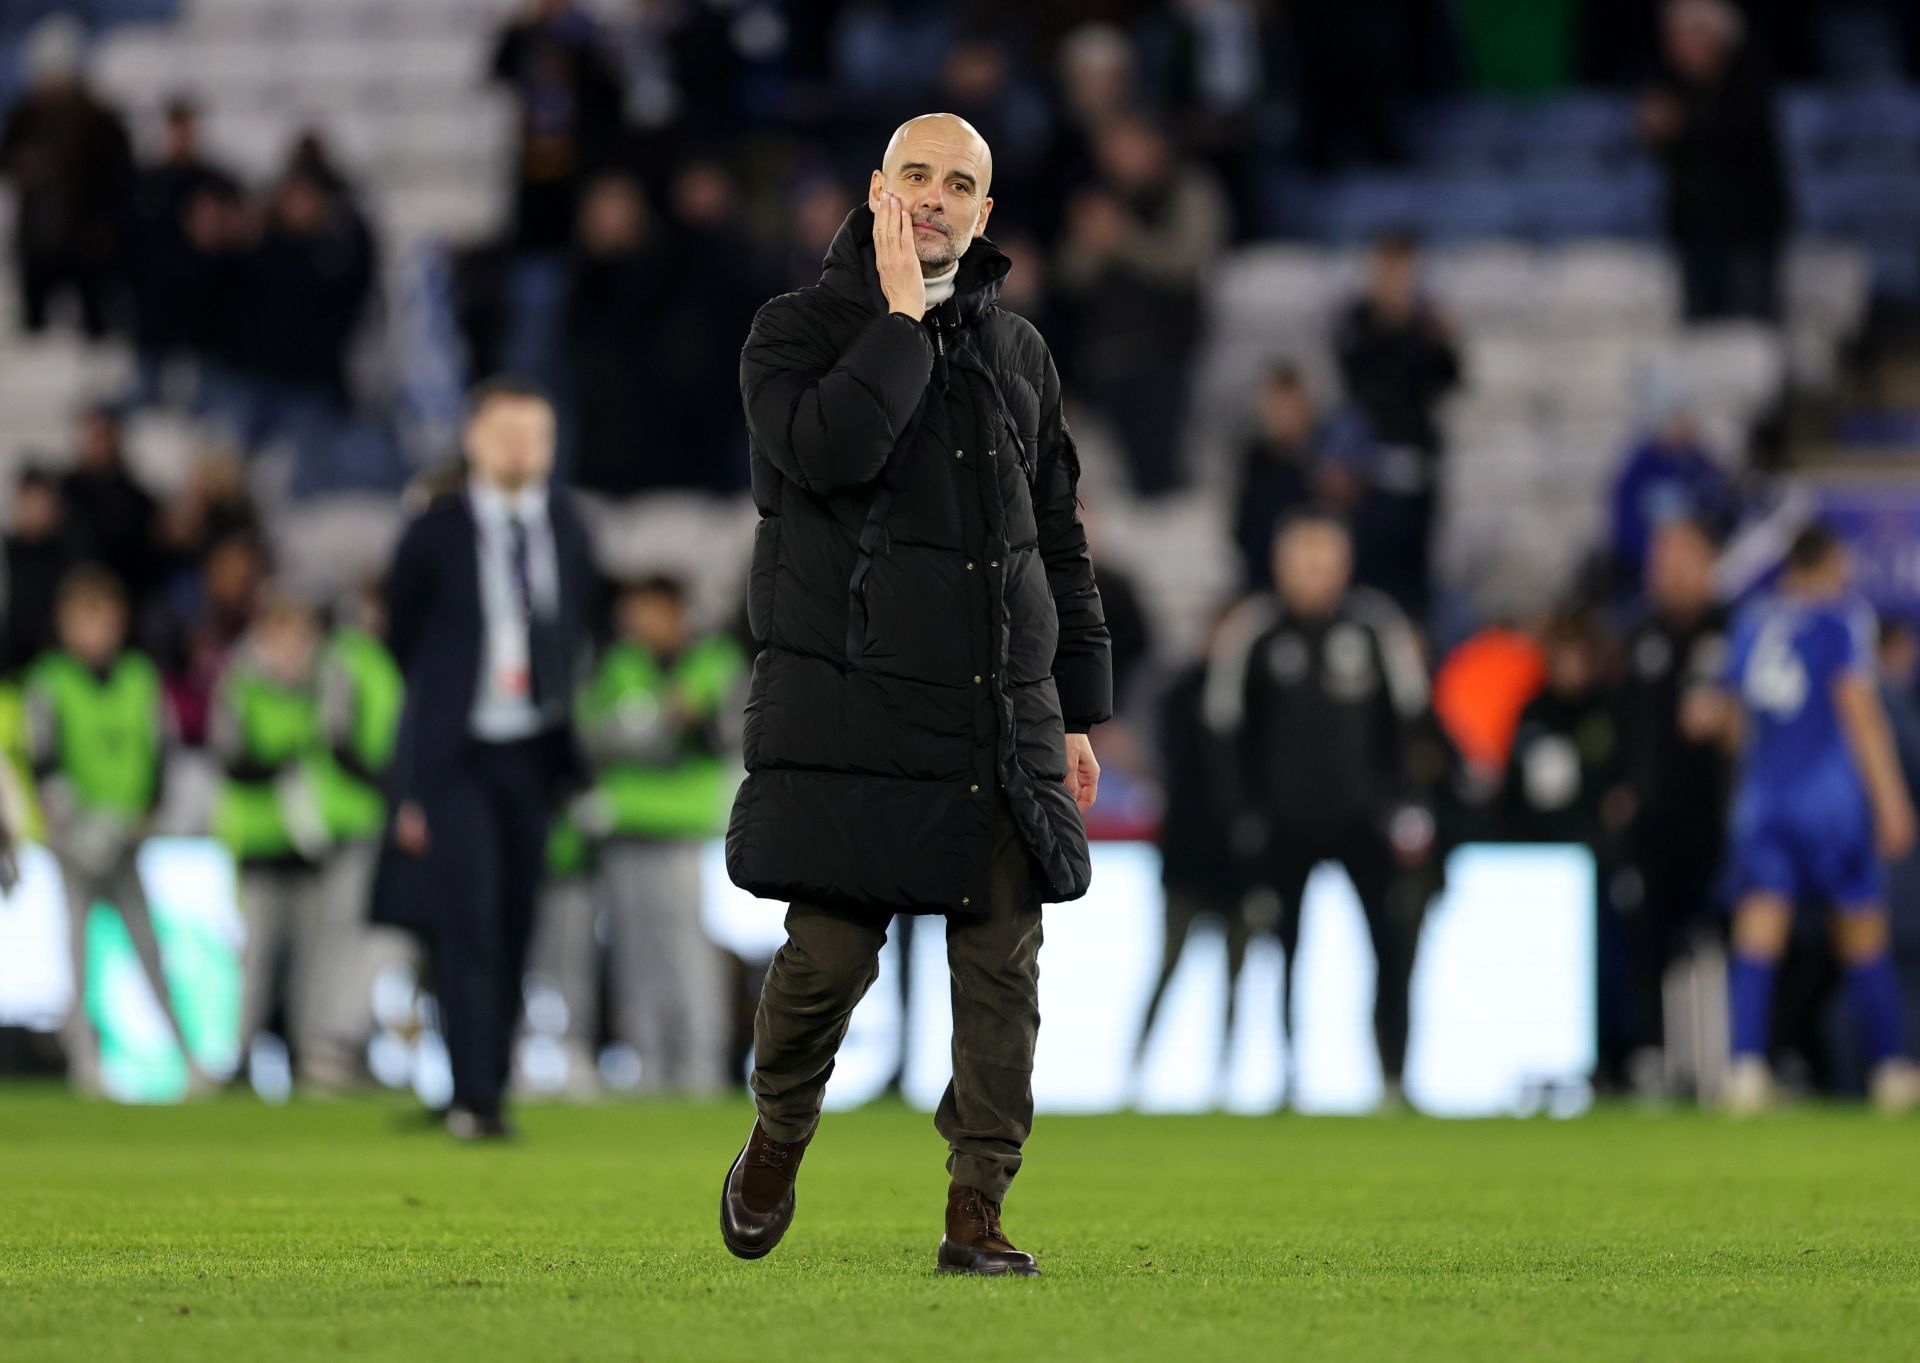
940, 287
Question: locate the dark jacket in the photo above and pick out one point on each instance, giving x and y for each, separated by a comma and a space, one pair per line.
1318, 716
926, 613
436, 630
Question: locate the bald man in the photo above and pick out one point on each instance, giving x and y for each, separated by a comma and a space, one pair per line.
933, 655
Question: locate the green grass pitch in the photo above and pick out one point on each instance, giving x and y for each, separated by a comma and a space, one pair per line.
230, 1231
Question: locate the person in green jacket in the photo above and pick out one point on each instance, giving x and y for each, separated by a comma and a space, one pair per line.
361, 691
96, 736
653, 725
271, 811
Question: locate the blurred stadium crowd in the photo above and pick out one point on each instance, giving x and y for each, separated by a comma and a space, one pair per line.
1535, 298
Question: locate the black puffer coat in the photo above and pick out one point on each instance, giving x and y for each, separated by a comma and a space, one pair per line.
921, 591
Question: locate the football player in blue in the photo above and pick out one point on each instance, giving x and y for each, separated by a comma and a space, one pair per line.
1820, 807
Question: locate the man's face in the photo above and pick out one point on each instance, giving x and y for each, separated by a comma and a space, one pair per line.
1680, 569
654, 620
36, 510
99, 443
510, 442
1312, 564
1695, 47
941, 171
287, 644
1285, 411
91, 628
1393, 280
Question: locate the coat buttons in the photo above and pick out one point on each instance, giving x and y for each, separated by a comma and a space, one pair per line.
973, 790
976, 679
959, 454
969, 566
994, 564
964, 899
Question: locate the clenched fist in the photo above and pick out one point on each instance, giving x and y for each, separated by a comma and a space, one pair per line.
895, 258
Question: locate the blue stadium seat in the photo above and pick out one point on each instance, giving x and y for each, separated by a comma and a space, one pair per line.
1458, 208
1625, 204
1578, 132
1356, 208
1463, 135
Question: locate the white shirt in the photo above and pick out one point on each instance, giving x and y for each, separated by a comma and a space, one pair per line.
503, 708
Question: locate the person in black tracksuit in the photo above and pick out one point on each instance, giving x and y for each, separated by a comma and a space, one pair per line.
1316, 694
1679, 783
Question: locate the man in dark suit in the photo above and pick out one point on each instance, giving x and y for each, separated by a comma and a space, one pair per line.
488, 601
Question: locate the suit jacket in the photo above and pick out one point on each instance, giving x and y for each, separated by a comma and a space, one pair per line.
436, 630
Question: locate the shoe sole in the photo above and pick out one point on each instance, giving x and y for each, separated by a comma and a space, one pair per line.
748, 1252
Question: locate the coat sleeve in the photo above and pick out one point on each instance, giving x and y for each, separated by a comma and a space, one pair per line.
829, 422
1083, 660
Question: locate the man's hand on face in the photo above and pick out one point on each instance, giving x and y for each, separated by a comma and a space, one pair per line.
895, 258
1083, 771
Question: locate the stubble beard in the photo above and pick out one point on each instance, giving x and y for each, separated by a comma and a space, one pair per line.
936, 254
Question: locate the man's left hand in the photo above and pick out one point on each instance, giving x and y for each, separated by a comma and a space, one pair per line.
1083, 771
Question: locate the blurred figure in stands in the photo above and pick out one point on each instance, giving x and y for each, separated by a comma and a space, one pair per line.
620, 284
717, 279
1295, 458
570, 114
1710, 119
1199, 870
1677, 784
273, 812
67, 156
200, 622
654, 723
1398, 359
1668, 475
97, 740
1140, 242
41, 551
1316, 694
313, 274
111, 513
165, 268
818, 208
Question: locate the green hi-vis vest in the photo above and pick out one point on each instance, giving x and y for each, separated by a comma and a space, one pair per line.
13, 751
278, 725
353, 808
568, 853
687, 799
107, 733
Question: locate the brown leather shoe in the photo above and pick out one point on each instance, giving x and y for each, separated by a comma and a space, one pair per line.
756, 1201
975, 1244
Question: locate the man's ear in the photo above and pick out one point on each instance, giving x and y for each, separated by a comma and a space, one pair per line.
986, 211
876, 185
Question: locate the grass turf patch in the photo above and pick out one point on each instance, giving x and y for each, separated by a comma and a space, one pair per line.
232, 1231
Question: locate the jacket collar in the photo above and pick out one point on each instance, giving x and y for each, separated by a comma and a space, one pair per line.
849, 270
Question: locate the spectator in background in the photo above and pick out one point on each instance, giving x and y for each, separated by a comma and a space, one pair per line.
201, 620
570, 115
1710, 118
1226, 66
1398, 358
717, 280
166, 270
67, 156
1667, 476
312, 276
1096, 86
1677, 783
1295, 458
212, 504
817, 209
268, 737
111, 513
655, 724
41, 551
620, 284
1140, 242
1360, 62
1028, 287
